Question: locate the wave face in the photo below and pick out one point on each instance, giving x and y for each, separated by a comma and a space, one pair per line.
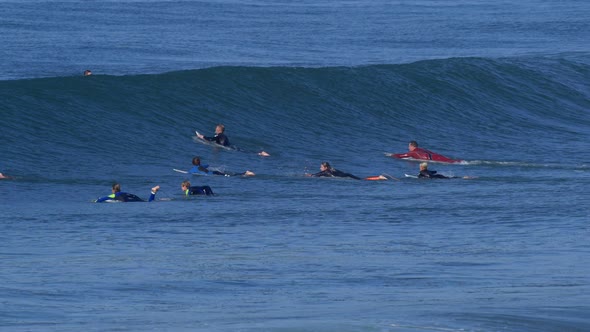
287, 252
530, 110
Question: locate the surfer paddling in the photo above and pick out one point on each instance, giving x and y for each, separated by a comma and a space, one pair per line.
200, 169
189, 190
326, 170
425, 173
119, 196
416, 152
221, 139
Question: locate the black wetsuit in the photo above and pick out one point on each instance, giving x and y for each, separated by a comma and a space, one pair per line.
334, 173
199, 190
203, 170
431, 175
220, 139
124, 197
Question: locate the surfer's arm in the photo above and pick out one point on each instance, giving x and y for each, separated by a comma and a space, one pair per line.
102, 199
201, 136
153, 193
401, 155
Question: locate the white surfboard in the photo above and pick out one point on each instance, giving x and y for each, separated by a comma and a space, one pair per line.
211, 143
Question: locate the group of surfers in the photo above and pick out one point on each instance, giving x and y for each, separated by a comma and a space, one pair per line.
326, 170
120, 196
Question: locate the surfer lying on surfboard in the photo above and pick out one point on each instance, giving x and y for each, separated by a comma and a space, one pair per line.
119, 196
200, 169
219, 137
222, 140
195, 190
326, 170
427, 174
416, 152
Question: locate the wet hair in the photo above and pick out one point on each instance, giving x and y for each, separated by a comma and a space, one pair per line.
414, 143
222, 127
424, 165
197, 161
116, 187
186, 183
326, 165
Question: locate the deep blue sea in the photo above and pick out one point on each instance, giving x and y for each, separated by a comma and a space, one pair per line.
503, 85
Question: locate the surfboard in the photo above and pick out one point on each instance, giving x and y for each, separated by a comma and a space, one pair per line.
187, 172
453, 162
383, 176
411, 176
211, 143
376, 178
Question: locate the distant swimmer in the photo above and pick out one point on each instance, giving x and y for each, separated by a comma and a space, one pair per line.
200, 169
416, 152
221, 139
425, 173
119, 196
328, 171
87, 72
195, 190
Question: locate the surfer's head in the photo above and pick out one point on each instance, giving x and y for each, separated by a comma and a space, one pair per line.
219, 129
325, 166
423, 166
412, 145
116, 188
197, 161
185, 185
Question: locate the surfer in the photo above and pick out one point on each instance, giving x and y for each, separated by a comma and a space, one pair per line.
87, 72
416, 152
120, 196
195, 190
328, 171
221, 139
200, 169
425, 173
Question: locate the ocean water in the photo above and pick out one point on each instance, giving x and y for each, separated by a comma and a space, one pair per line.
504, 86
